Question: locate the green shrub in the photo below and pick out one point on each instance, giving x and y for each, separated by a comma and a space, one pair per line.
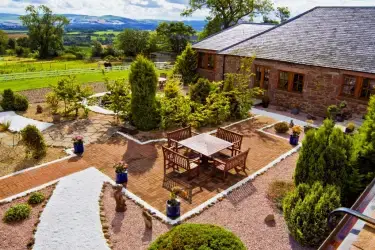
143, 81
198, 236
277, 191
53, 101
200, 91
5, 126
325, 157
17, 213
306, 211
34, 141
174, 112
172, 88
363, 158
186, 65
281, 127
218, 108
36, 198
20, 103
8, 100
68, 56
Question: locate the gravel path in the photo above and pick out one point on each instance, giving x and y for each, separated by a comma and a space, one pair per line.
243, 213
71, 218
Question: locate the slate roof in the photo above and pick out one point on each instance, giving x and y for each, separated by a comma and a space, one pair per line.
333, 37
232, 35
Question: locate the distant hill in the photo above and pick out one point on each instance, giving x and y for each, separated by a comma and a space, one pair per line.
85, 22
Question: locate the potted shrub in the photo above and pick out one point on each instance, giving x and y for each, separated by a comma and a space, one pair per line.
173, 204
78, 144
308, 126
265, 101
121, 169
295, 109
350, 128
296, 131
56, 117
281, 127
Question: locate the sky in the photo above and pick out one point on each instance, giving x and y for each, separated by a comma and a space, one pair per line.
154, 9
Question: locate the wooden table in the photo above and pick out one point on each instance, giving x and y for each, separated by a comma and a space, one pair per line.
205, 144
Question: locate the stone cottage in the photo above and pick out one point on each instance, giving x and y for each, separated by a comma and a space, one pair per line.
321, 57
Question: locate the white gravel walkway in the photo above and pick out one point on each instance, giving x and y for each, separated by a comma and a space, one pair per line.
17, 122
71, 219
277, 117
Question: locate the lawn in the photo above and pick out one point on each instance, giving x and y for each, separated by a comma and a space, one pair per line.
18, 85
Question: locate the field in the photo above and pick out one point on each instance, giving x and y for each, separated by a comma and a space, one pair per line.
10, 65
18, 85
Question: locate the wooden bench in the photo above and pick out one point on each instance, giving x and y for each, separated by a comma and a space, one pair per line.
178, 135
174, 160
231, 137
237, 162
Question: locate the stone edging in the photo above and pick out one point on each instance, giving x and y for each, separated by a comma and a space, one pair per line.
103, 218
129, 137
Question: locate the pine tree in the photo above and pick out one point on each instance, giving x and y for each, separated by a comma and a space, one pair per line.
143, 81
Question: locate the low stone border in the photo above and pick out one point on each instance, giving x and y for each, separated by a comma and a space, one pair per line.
129, 137
103, 218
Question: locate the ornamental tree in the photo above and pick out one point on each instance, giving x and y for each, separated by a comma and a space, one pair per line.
186, 65
143, 81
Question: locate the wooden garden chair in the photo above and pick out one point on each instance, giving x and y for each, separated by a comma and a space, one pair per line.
231, 137
237, 162
178, 135
175, 161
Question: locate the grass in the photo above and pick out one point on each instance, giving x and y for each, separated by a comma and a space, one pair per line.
107, 32
18, 85
277, 190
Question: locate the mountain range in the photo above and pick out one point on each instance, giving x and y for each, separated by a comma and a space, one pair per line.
85, 22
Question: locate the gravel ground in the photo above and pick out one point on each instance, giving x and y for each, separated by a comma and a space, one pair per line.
243, 213
16, 236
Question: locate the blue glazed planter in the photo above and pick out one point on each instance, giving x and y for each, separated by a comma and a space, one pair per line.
121, 177
173, 211
293, 140
78, 148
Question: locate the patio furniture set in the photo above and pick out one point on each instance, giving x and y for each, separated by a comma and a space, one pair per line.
204, 152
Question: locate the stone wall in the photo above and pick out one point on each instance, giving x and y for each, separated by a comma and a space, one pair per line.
321, 87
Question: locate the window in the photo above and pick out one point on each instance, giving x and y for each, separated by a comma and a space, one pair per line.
291, 81
258, 76
284, 80
298, 83
368, 88
262, 77
206, 61
266, 78
201, 60
211, 61
348, 88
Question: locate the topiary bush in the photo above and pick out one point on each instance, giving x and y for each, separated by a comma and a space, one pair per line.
36, 198
198, 236
200, 91
143, 81
306, 211
8, 100
281, 127
18, 212
34, 141
20, 103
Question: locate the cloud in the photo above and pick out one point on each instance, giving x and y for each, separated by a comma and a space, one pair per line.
153, 9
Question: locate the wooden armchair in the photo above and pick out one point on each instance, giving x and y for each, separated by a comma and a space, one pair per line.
176, 161
231, 137
237, 162
178, 135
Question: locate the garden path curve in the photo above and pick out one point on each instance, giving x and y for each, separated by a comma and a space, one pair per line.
71, 219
